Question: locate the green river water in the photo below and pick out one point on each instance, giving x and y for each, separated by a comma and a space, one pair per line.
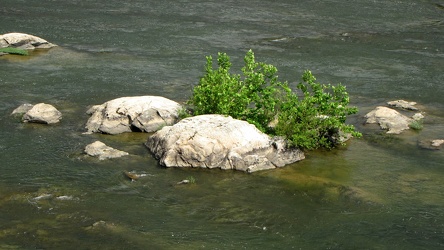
377, 192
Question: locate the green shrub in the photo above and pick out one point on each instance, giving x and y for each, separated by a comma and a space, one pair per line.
253, 98
314, 120
14, 51
260, 98
416, 125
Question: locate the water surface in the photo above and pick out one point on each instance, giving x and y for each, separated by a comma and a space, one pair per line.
378, 192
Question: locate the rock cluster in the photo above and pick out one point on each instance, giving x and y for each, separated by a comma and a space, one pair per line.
216, 141
39, 113
392, 120
389, 119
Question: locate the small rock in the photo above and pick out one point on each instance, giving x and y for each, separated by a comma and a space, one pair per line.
183, 182
133, 176
42, 197
22, 109
99, 224
101, 150
64, 198
431, 144
418, 117
403, 104
437, 143
42, 113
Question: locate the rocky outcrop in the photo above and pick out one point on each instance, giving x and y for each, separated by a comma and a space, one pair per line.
24, 41
127, 114
216, 141
391, 120
102, 151
41, 113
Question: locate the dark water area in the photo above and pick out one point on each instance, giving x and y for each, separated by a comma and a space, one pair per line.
378, 192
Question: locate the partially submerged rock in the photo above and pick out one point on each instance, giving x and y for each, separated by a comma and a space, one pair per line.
389, 119
42, 113
126, 114
99, 149
133, 176
437, 142
431, 144
24, 41
403, 105
216, 141
22, 109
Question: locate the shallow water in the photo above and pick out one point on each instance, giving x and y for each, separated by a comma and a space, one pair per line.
378, 192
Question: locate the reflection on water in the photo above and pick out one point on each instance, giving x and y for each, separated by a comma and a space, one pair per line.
378, 192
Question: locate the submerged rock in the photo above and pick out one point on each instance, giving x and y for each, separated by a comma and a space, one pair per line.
133, 176
24, 41
127, 114
216, 141
99, 149
42, 113
183, 182
389, 119
431, 144
437, 142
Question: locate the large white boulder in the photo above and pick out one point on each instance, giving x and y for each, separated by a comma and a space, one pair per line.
42, 113
24, 41
127, 114
216, 141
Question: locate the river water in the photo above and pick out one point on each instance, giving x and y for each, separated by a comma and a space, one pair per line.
378, 192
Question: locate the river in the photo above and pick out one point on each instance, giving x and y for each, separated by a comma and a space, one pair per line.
377, 192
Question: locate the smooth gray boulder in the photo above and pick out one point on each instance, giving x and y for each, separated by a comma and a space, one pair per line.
216, 141
24, 41
42, 113
127, 114
102, 151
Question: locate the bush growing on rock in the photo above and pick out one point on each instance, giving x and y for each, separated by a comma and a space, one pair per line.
309, 120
